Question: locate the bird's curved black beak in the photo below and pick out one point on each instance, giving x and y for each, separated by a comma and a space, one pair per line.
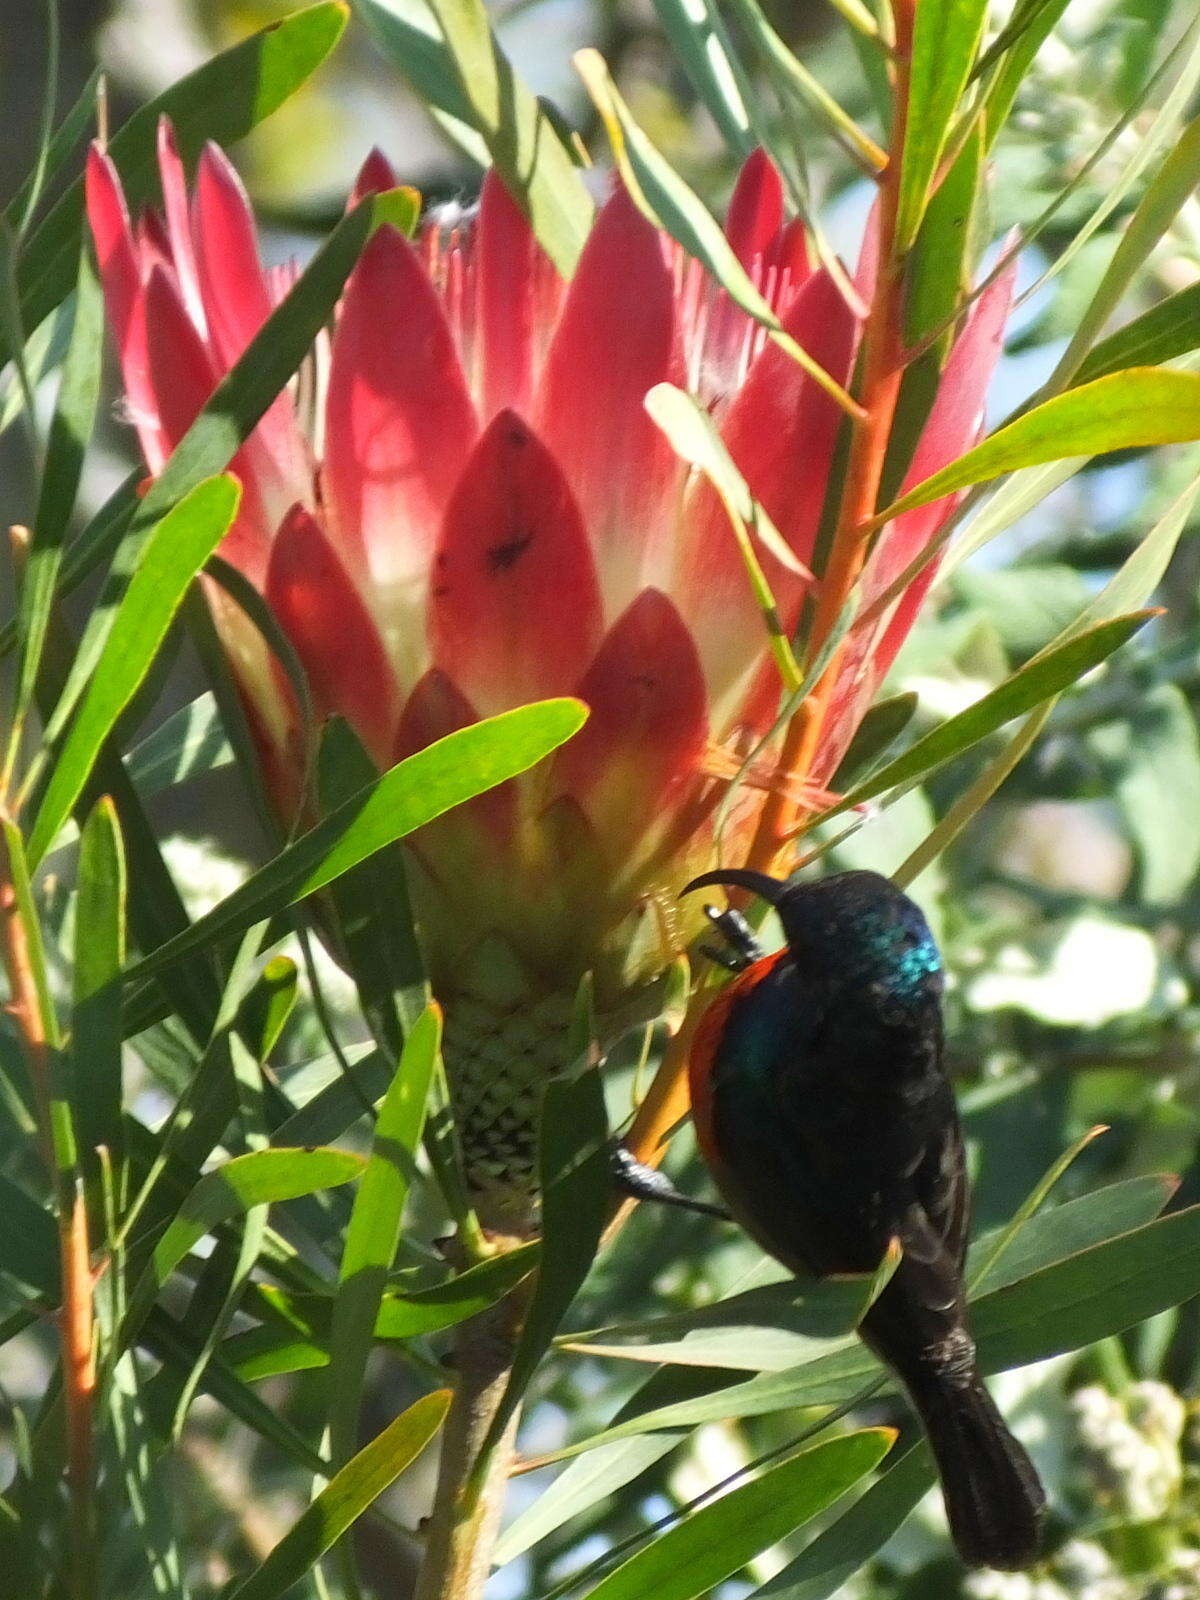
769, 889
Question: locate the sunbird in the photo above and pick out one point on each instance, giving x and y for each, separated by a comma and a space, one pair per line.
824, 1113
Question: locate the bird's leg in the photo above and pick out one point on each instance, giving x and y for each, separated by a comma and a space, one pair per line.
635, 1178
741, 949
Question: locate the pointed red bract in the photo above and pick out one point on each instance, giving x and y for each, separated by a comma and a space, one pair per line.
616, 339
181, 373
120, 276
780, 431
435, 708
375, 176
236, 301
782, 427
755, 214
179, 229
514, 605
399, 420
511, 273
181, 379
648, 721
332, 632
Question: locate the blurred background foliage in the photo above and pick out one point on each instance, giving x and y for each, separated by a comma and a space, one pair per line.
1069, 909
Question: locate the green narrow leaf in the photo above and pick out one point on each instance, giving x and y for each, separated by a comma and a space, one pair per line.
374, 913
345, 1498
1138, 576
1038, 680
1100, 1291
99, 958
1126, 410
1160, 131
374, 1229
28, 1244
1167, 330
468, 74
268, 1006
411, 794
185, 744
973, 799
259, 1352
713, 1543
223, 100
946, 39
845, 1546
1064, 1230
172, 1344
986, 1261
70, 131
797, 86
1172, 186
261, 1178
409, 35
601, 1472
1061, 1306
937, 282
145, 1487
173, 555
779, 1325
70, 430
875, 735
223, 1278
700, 40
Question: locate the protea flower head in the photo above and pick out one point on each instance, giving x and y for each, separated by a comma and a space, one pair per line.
461, 505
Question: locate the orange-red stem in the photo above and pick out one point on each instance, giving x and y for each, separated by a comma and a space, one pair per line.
76, 1318
883, 361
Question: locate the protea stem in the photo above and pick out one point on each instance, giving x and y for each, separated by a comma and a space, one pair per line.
461, 1532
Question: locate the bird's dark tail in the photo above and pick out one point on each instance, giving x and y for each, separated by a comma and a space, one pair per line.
994, 1500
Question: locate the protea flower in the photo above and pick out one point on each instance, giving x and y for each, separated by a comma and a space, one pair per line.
462, 505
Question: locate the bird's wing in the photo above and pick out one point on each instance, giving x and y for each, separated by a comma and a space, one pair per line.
939, 1180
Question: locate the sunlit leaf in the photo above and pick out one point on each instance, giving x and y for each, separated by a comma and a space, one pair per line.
173, 555
345, 1497
261, 1178
1139, 407
693, 1557
846, 1545
374, 1228
945, 40
411, 794
99, 957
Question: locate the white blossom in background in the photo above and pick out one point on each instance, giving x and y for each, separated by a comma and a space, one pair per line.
1130, 1447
